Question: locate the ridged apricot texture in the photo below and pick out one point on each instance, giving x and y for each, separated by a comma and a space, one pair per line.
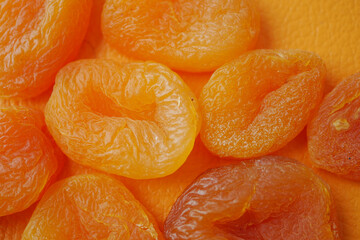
36, 39
12, 226
27, 160
257, 103
193, 36
267, 198
90, 207
37, 102
137, 120
333, 134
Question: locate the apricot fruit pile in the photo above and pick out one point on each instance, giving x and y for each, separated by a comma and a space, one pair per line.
163, 119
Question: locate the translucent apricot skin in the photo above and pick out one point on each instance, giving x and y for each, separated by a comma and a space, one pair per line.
33, 46
137, 120
90, 207
267, 198
257, 103
193, 36
333, 134
28, 159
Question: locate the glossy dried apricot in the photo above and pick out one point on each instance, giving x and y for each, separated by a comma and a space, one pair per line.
137, 120
193, 36
36, 39
333, 134
27, 160
267, 198
256, 104
90, 207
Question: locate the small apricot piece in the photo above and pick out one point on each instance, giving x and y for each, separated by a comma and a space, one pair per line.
137, 120
333, 134
90, 207
28, 158
193, 36
36, 39
256, 104
267, 198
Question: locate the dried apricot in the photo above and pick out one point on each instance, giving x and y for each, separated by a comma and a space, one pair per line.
90, 207
193, 36
267, 198
12, 226
256, 104
137, 120
158, 195
27, 161
37, 102
33, 46
333, 134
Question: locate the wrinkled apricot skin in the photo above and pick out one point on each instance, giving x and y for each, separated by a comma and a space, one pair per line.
28, 159
333, 134
137, 120
257, 103
36, 39
37, 102
90, 207
267, 198
194, 36
12, 226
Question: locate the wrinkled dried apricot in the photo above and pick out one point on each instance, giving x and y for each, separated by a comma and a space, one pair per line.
256, 104
267, 198
37, 102
333, 134
90, 207
193, 36
137, 120
36, 39
12, 226
27, 160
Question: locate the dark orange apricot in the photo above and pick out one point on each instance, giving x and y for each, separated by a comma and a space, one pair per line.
266, 198
37, 38
28, 159
137, 120
90, 207
333, 134
256, 104
12, 226
193, 36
